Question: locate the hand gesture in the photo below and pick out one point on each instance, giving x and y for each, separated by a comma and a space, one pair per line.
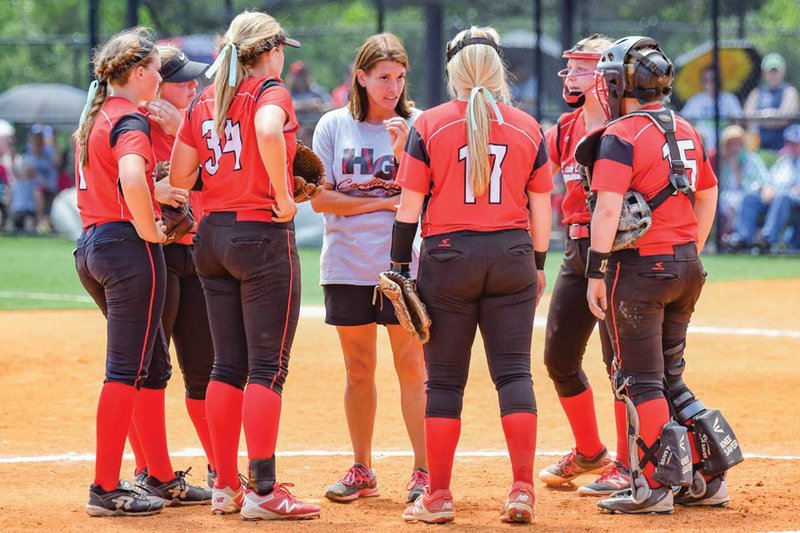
165, 115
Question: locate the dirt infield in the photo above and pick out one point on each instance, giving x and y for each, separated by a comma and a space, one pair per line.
51, 369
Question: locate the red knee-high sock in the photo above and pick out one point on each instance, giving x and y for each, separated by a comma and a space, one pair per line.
441, 439
136, 446
653, 414
583, 421
152, 430
114, 412
261, 414
520, 431
224, 412
197, 412
620, 417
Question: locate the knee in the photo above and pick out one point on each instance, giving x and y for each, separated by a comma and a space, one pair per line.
360, 369
410, 366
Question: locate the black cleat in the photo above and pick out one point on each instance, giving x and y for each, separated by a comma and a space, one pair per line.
120, 502
177, 491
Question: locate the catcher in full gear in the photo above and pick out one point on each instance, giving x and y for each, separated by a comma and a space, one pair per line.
480, 169
647, 288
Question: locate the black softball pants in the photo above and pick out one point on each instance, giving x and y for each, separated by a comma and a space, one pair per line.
470, 280
570, 324
250, 273
185, 320
126, 277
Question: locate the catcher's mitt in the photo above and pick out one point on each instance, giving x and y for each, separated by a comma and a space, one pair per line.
309, 174
179, 220
410, 310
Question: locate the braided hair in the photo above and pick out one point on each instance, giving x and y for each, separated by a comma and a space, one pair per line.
113, 64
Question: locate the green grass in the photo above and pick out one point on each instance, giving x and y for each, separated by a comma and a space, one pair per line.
39, 273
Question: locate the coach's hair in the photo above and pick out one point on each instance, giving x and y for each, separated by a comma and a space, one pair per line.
252, 33
478, 65
380, 47
113, 64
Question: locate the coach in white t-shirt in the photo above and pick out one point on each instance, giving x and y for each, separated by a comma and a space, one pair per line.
360, 146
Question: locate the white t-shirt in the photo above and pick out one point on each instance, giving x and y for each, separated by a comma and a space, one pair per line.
359, 161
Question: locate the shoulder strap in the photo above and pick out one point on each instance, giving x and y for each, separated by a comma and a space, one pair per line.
194, 103
664, 120
130, 122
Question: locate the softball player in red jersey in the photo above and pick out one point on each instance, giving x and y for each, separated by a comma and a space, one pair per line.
569, 321
477, 171
184, 318
360, 145
120, 263
241, 132
646, 292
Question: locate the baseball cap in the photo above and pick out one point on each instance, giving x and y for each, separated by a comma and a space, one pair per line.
733, 132
792, 134
773, 61
180, 69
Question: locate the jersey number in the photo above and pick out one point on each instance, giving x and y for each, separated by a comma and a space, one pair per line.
690, 164
233, 144
497, 153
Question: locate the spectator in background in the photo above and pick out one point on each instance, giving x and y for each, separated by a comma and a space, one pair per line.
741, 171
307, 95
65, 178
778, 199
772, 102
340, 95
699, 109
40, 155
7, 164
26, 197
523, 86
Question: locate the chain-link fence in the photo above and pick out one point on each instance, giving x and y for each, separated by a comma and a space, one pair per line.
761, 102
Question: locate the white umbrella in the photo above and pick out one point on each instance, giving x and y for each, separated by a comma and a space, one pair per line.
47, 103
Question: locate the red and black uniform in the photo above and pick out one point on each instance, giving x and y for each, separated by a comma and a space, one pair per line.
185, 319
569, 321
126, 277
476, 269
249, 269
654, 285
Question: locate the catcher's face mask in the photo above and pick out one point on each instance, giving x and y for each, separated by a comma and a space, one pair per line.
578, 76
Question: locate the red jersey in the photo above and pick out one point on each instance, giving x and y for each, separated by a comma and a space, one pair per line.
118, 130
561, 141
162, 148
233, 174
634, 155
434, 163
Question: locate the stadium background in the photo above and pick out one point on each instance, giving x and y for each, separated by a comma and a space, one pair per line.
742, 348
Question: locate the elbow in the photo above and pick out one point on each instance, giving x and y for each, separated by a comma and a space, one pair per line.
268, 132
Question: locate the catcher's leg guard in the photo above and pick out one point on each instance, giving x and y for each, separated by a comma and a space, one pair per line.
715, 441
670, 453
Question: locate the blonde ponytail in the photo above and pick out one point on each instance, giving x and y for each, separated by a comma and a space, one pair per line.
478, 124
81, 135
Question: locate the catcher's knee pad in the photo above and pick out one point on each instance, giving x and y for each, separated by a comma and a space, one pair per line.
717, 444
638, 387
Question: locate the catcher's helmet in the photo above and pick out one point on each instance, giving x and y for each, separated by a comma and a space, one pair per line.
633, 67
576, 99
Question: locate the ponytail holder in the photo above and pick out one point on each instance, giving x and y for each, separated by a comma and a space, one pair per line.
89, 99
218, 62
492, 102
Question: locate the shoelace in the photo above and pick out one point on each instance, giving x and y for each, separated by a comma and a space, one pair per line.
180, 475
418, 479
356, 476
614, 472
567, 463
283, 488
